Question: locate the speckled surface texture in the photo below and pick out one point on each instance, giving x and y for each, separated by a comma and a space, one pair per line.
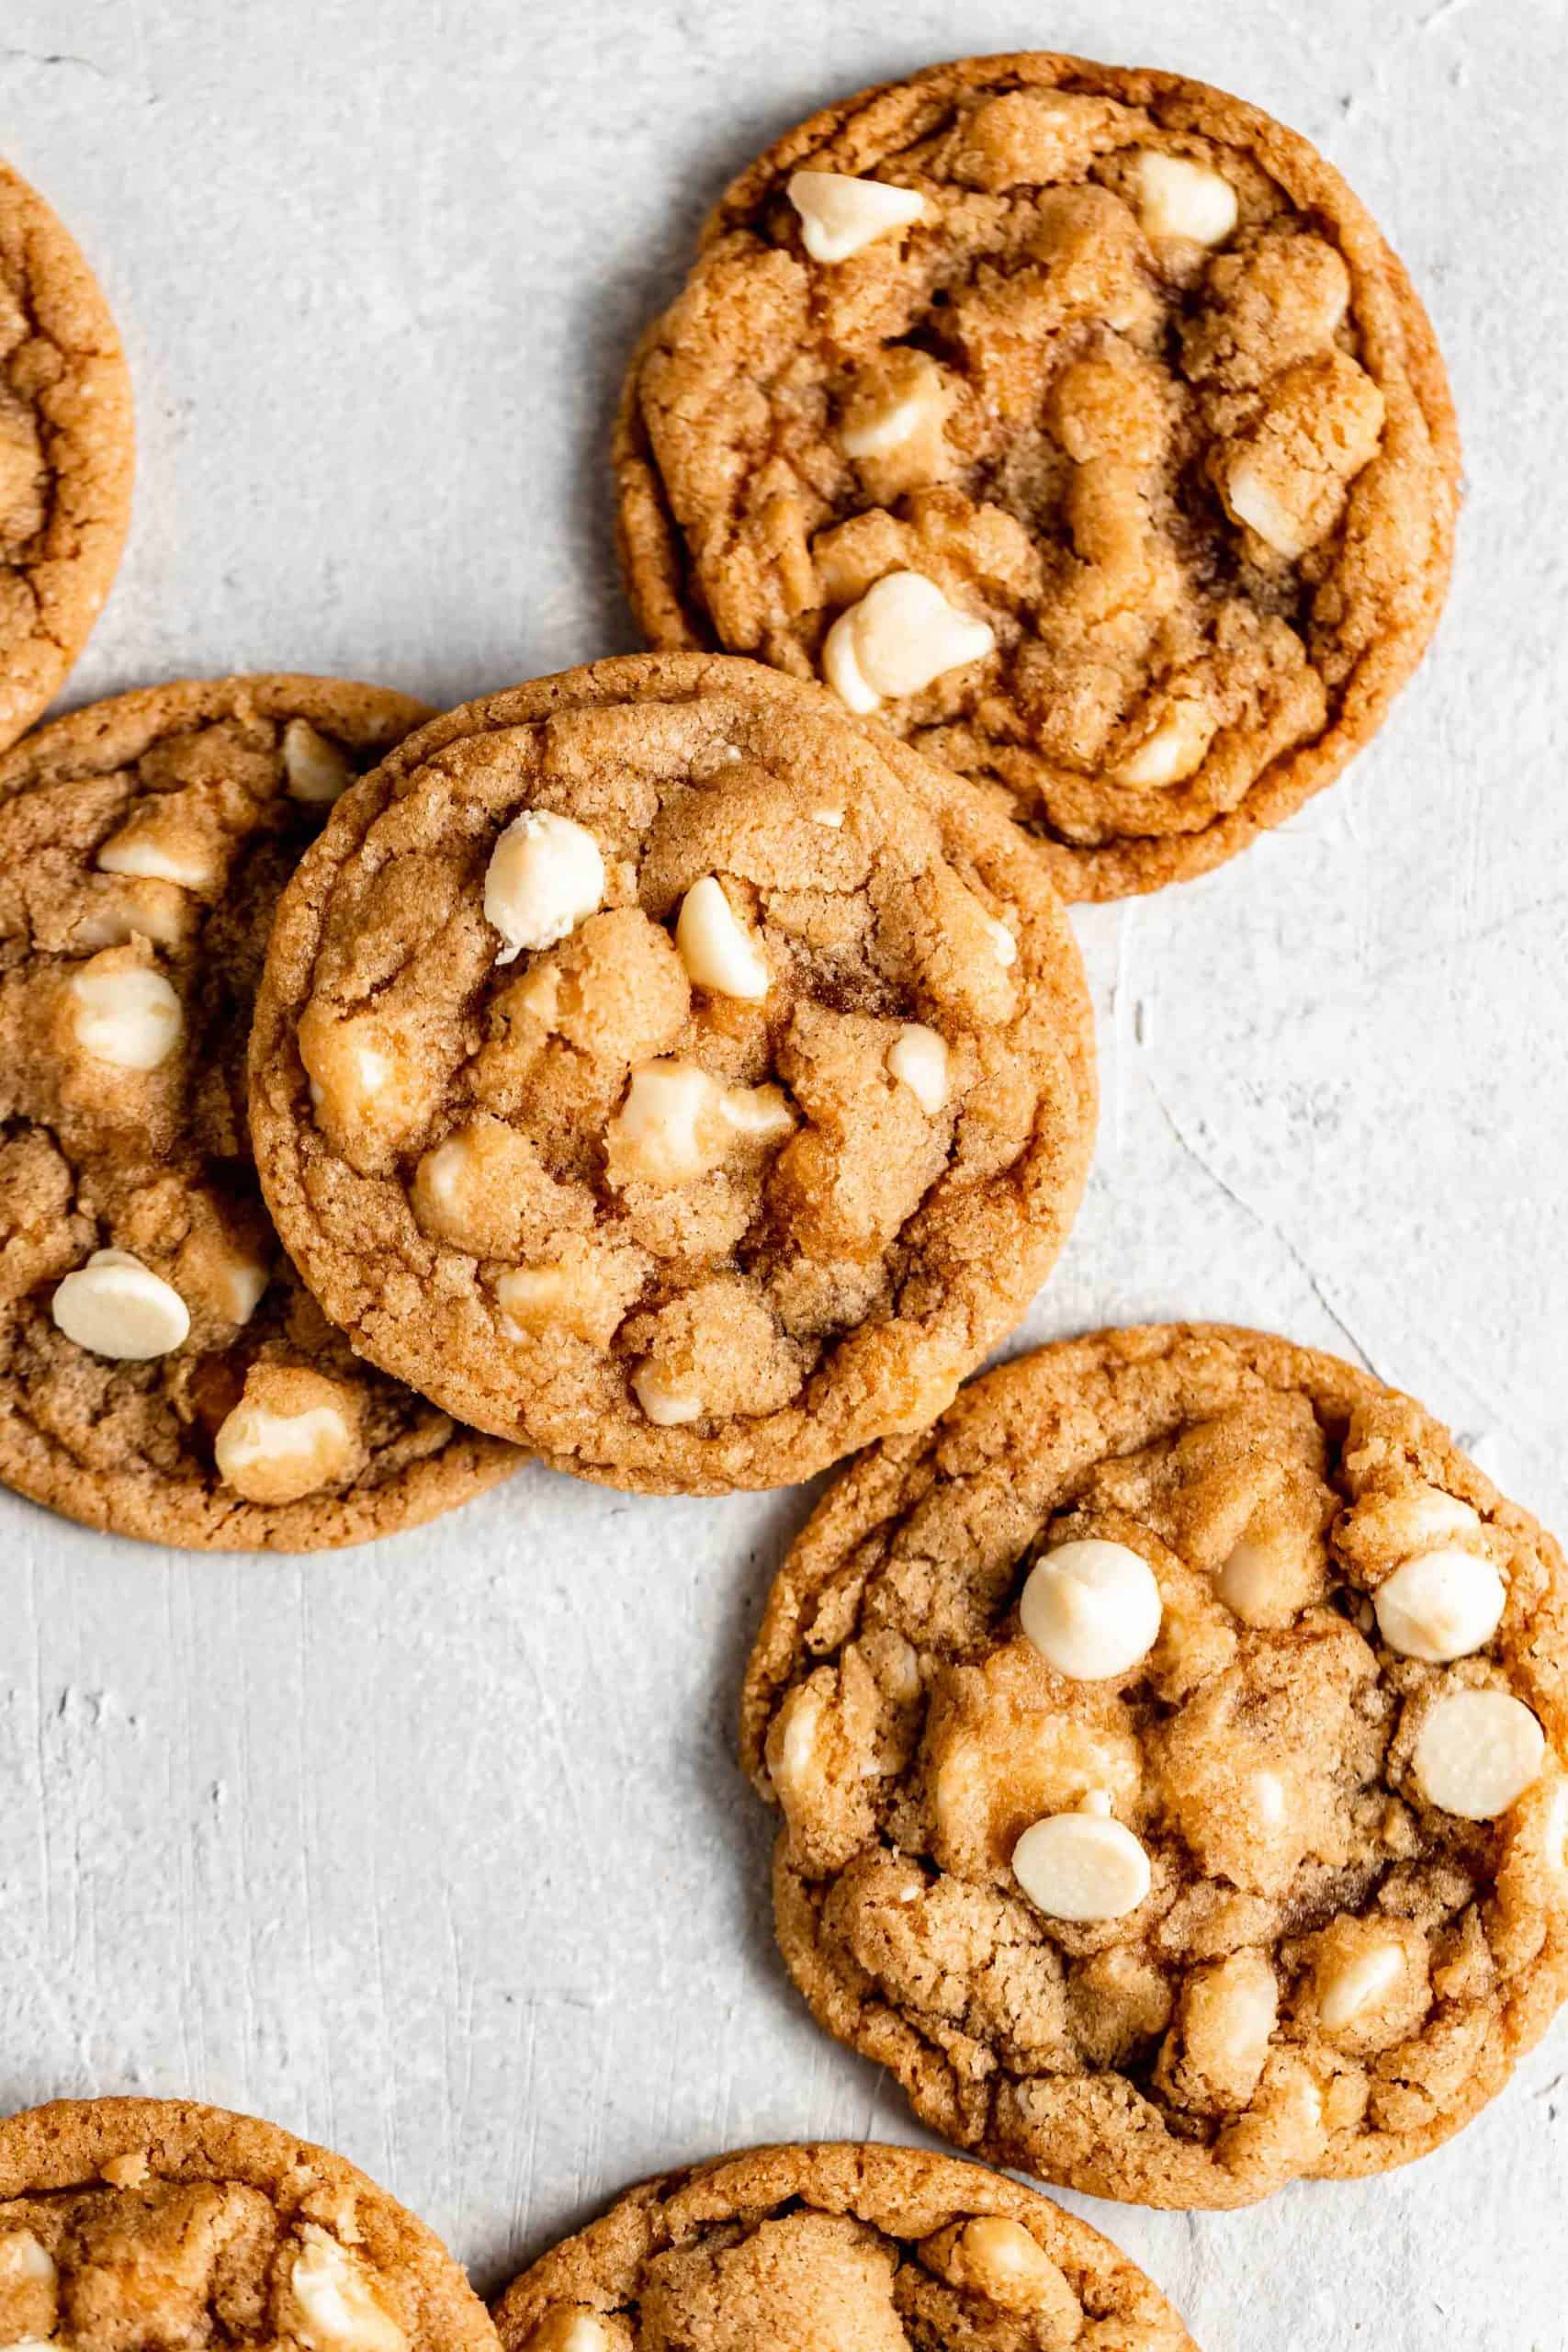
438, 1853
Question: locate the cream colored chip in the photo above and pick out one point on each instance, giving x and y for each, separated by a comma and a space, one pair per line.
1004, 946
1349, 1986
570, 2329
335, 2307
151, 911
546, 875
157, 844
1091, 1608
290, 1435
1477, 1752
832, 818
1254, 495
116, 1306
998, 2257
666, 1406
918, 1059
897, 405
1174, 749
670, 1127
902, 634
1177, 197
1082, 1865
318, 771
130, 1018
1440, 1606
1266, 1794
757, 1114
840, 215
719, 952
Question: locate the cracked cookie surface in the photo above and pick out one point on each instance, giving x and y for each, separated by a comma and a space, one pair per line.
163, 1372
1171, 1744
836, 2248
66, 453
1122, 376
661, 1069
129, 2222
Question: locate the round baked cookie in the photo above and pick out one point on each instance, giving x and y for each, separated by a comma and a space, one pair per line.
1075, 421
657, 1067
866, 2249
144, 2222
1172, 1746
66, 453
163, 1372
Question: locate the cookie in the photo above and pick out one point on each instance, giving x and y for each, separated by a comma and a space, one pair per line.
163, 1372
1172, 1746
836, 2248
660, 1069
66, 453
1077, 423
141, 2221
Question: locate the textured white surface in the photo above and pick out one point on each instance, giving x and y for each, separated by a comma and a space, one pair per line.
439, 1853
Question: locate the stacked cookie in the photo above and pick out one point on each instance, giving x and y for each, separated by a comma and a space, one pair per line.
680, 1070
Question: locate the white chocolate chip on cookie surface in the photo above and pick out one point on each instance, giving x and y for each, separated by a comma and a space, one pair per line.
841, 214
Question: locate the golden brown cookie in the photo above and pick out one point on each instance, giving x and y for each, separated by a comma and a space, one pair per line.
184, 1386
66, 453
128, 2223
661, 1069
1173, 1751
1075, 421
836, 2248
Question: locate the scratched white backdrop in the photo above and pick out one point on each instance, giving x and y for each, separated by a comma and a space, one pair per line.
438, 1852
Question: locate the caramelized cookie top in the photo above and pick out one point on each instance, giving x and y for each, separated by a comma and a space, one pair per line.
130, 2222
835, 2249
1173, 1752
1075, 423
163, 1372
659, 1068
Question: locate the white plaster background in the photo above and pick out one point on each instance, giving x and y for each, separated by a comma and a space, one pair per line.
438, 1852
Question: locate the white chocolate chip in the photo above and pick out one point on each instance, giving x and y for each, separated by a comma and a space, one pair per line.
918, 1059
130, 1018
1081, 1866
154, 846
719, 951
1440, 1606
546, 875
666, 1407
148, 910
318, 771
24, 2262
901, 636
1248, 1581
238, 1284
894, 408
1253, 499
1000, 2259
761, 1113
116, 1306
1091, 1608
1347, 1988
337, 2309
1177, 197
564, 2330
832, 818
1266, 1792
1004, 946
273, 1458
658, 1135
1173, 750
840, 215
1478, 1752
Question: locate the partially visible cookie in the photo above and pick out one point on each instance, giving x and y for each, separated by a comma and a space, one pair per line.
1173, 1752
661, 1069
66, 453
163, 1372
836, 2248
1079, 423
136, 2222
